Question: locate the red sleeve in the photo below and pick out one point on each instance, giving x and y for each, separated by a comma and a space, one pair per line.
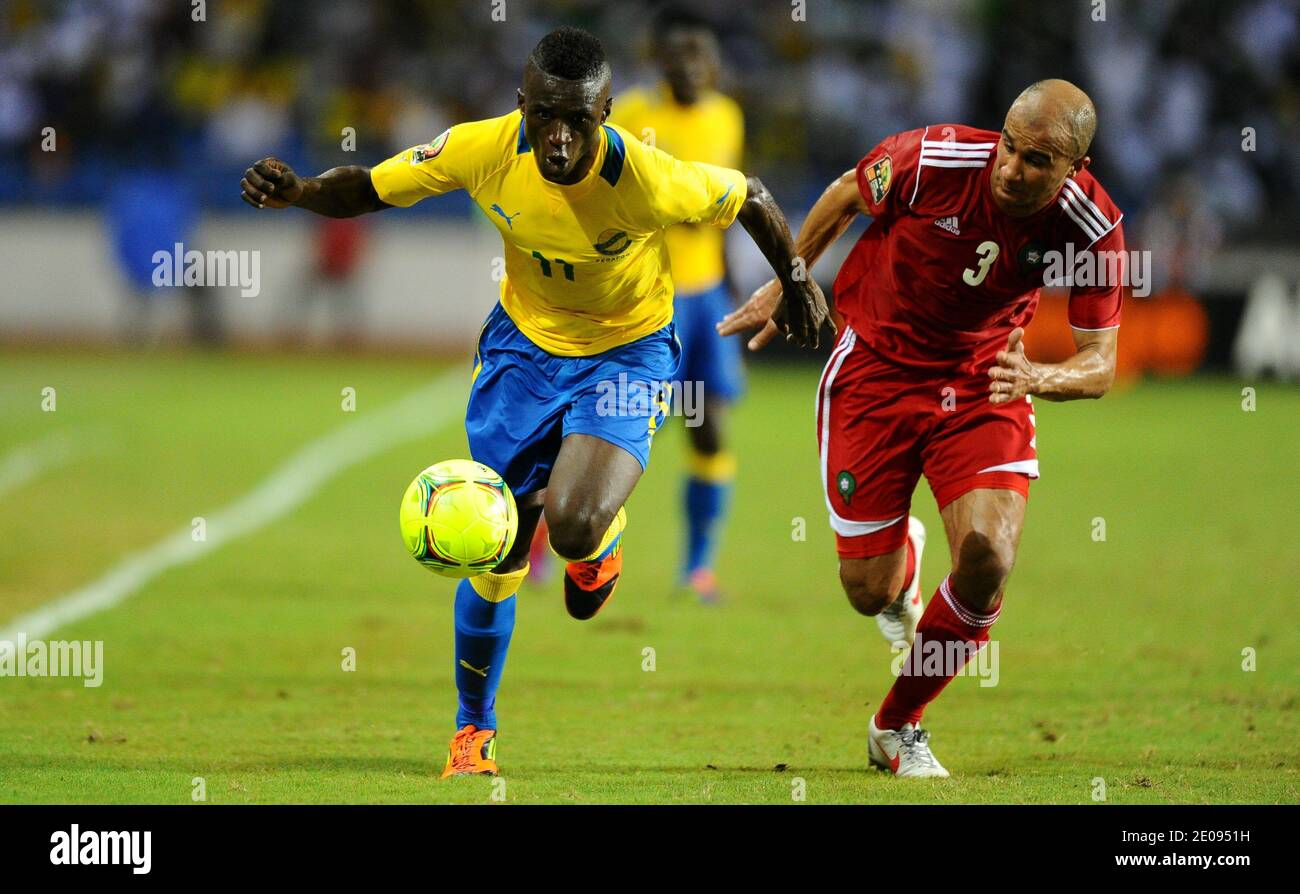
887, 174
1097, 307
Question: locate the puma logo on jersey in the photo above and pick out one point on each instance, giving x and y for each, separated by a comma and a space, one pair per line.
509, 218
949, 224
482, 673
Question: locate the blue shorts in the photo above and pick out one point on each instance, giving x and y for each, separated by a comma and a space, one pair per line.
709, 358
523, 401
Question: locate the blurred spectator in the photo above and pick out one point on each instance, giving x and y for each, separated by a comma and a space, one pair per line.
1175, 82
147, 212
331, 283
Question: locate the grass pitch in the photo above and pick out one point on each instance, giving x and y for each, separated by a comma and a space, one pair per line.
1120, 659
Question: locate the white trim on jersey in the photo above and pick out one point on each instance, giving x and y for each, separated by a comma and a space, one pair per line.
1028, 466
1102, 329
918, 171
953, 144
952, 163
848, 528
958, 150
845, 527
1084, 211
949, 154
1088, 206
1089, 228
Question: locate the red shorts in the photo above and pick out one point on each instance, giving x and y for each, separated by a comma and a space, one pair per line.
881, 426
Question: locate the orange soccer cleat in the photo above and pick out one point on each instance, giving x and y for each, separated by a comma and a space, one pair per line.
588, 585
472, 750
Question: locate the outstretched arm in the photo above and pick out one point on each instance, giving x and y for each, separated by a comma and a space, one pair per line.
339, 192
803, 311
1088, 374
838, 205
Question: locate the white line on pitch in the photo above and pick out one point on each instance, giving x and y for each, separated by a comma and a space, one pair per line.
27, 461
293, 481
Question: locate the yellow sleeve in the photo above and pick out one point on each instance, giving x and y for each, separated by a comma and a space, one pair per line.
458, 158
692, 191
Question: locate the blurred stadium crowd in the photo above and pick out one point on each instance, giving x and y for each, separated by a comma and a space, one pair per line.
140, 82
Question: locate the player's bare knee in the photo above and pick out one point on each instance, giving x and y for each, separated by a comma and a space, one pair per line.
984, 563
869, 593
576, 531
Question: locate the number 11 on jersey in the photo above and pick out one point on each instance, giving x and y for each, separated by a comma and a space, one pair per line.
546, 266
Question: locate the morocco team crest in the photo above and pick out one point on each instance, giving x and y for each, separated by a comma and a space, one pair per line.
879, 176
431, 149
846, 484
1032, 258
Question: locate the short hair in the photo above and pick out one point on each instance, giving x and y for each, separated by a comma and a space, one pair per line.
571, 54
672, 16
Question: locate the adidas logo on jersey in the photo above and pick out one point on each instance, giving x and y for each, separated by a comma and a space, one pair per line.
949, 224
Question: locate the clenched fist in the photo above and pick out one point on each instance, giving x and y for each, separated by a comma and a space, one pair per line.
270, 183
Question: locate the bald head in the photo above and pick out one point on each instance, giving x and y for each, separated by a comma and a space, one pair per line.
1045, 138
1058, 108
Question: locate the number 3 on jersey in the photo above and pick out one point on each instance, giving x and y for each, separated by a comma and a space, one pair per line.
988, 253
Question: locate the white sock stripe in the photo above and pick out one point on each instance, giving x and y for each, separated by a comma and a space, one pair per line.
974, 619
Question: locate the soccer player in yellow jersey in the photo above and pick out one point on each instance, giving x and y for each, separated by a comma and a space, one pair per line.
569, 375
686, 117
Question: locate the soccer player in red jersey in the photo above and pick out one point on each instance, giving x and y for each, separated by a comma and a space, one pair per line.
930, 376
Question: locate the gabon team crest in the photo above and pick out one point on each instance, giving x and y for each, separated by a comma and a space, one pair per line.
431, 149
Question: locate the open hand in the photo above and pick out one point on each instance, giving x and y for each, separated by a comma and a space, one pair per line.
768, 311
1012, 374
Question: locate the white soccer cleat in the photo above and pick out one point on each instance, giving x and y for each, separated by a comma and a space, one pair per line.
903, 752
898, 622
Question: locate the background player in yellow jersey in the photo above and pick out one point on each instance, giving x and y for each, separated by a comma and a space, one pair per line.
686, 117
587, 301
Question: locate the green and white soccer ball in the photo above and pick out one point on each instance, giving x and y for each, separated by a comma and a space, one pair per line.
458, 518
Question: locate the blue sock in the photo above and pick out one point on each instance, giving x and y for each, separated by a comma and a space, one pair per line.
482, 637
706, 502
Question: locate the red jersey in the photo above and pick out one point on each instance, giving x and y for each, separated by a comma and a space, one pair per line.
942, 275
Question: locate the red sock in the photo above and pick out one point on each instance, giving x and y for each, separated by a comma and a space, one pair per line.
946, 620
911, 566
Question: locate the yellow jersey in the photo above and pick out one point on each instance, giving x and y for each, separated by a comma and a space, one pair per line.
712, 131
586, 265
